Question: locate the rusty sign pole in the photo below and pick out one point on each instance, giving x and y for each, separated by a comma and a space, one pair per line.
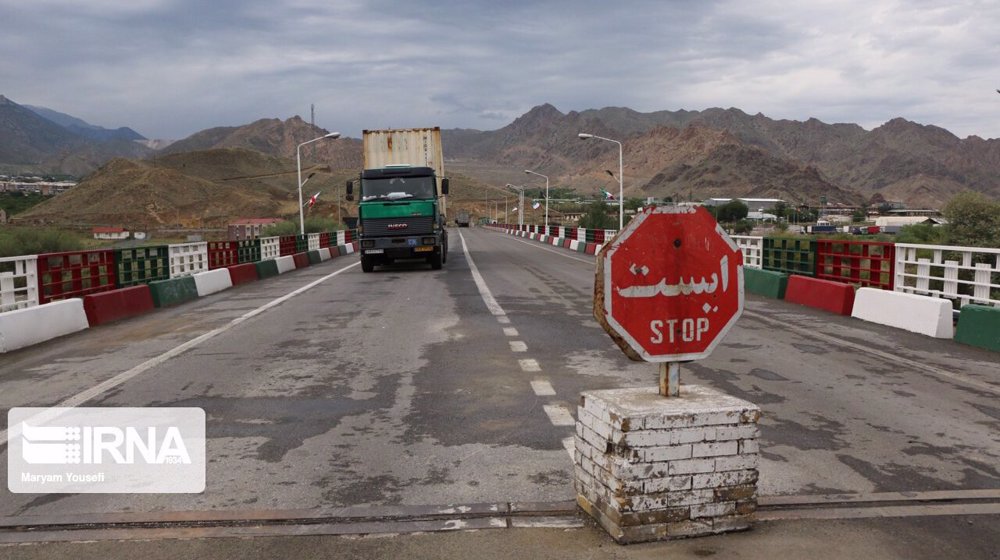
670, 379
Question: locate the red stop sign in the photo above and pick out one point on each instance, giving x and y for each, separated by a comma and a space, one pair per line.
670, 285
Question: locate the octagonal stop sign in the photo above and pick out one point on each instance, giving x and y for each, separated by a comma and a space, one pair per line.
670, 285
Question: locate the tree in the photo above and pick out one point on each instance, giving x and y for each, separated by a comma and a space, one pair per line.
973, 220
596, 217
732, 211
634, 203
780, 209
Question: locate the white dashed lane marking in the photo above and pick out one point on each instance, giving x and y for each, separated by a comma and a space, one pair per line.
510, 331
559, 415
518, 346
542, 388
529, 365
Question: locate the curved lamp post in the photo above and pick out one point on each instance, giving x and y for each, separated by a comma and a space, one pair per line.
520, 203
300, 182
546, 195
621, 165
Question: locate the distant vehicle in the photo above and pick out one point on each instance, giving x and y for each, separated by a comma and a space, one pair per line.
462, 219
399, 189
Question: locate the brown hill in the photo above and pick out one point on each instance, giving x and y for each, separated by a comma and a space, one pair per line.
277, 138
920, 165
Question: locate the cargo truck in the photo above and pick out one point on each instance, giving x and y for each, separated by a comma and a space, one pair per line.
462, 219
400, 198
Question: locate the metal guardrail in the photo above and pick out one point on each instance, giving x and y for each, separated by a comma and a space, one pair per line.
962, 274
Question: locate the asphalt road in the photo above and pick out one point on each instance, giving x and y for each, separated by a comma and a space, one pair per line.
410, 387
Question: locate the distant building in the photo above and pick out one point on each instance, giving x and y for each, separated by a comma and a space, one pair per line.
116, 233
761, 216
899, 221
249, 228
3, 216
755, 204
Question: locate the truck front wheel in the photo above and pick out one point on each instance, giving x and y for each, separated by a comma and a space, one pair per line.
435, 261
367, 264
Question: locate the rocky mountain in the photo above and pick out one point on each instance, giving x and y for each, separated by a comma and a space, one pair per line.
85, 129
678, 153
32, 143
278, 138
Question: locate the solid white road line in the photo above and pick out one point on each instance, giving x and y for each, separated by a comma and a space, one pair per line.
100, 388
565, 252
484, 290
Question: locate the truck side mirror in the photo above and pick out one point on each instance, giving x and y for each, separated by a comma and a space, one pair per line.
444, 185
350, 191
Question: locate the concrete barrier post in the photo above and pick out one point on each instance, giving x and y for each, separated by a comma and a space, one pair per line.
651, 468
25, 327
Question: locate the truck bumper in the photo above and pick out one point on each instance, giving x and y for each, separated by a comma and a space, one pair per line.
409, 247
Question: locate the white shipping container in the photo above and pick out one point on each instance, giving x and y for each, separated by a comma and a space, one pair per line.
417, 147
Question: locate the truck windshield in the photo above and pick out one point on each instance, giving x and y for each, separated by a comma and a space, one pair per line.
393, 188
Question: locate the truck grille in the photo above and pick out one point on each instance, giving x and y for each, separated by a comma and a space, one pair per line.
385, 227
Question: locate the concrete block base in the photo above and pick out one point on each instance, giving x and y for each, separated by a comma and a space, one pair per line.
651, 468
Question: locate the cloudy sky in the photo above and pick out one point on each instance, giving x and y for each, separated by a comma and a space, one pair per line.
169, 68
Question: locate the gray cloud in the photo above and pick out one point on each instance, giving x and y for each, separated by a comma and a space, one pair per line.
169, 68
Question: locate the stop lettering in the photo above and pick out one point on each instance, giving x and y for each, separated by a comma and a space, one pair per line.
670, 286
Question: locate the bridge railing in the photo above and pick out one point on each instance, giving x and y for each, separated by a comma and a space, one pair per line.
32, 280
188, 258
270, 248
962, 274
18, 282
862, 263
75, 274
752, 247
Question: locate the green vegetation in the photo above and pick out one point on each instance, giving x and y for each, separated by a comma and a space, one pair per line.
973, 220
596, 217
922, 234
16, 202
17, 241
312, 225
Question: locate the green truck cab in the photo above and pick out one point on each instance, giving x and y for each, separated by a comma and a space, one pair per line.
399, 216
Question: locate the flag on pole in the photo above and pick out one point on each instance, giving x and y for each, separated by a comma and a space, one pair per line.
607, 195
535, 205
312, 199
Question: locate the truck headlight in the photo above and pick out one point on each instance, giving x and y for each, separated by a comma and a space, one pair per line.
368, 243
428, 240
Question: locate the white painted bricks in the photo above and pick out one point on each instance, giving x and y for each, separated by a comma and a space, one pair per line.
24, 327
920, 314
212, 281
652, 468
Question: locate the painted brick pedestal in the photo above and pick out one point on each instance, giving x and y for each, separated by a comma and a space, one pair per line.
651, 468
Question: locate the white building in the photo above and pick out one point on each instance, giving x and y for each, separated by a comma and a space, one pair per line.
115, 233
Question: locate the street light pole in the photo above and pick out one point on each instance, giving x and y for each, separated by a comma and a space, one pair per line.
546, 196
299, 182
621, 179
520, 203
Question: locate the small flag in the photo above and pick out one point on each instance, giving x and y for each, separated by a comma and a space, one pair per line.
312, 199
607, 195
536, 205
